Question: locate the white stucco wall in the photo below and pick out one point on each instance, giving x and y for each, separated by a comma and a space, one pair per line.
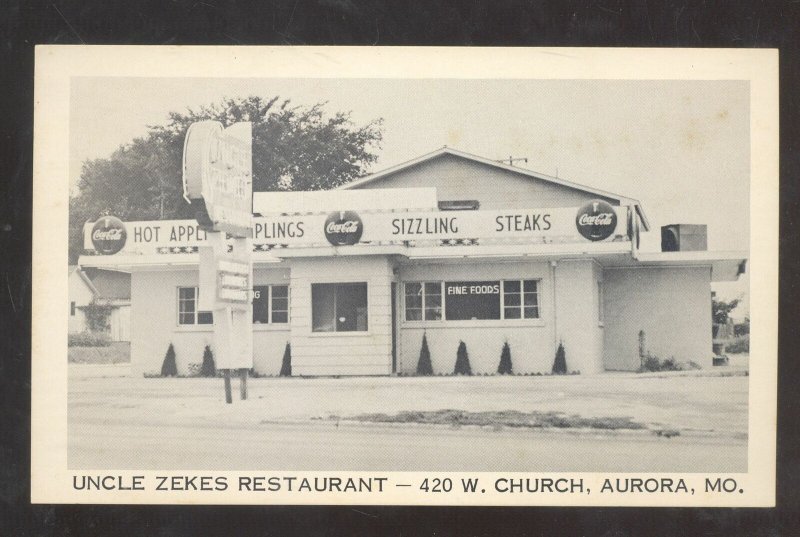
672, 306
531, 340
154, 324
342, 353
577, 319
456, 178
79, 293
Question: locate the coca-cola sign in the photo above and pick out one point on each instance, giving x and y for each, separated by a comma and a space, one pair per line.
109, 235
343, 228
596, 220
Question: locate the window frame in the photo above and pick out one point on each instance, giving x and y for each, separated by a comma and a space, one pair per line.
443, 319
196, 312
270, 310
335, 331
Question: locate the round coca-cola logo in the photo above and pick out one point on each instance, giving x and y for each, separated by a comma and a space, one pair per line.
343, 228
109, 235
596, 220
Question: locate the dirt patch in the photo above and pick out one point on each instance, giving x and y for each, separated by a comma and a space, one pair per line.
502, 418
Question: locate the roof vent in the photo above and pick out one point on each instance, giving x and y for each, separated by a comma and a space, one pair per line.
683, 238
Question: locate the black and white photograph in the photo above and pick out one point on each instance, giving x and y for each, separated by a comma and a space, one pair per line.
491, 281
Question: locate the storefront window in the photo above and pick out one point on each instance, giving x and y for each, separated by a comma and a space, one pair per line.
339, 307
423, 300
520, 299
471, 300
187, 308
270, 304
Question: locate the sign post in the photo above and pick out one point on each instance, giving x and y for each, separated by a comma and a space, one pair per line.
217, 181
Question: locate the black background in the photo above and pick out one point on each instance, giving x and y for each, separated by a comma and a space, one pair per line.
642, 23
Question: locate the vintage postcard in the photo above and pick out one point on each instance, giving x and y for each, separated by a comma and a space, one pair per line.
433, 276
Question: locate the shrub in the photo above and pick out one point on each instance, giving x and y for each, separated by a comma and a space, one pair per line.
505, 367
286, 365
652, 363
208, 369
89, 339
560, 362
169, 368
739, 345
424, 365
462, 361
97, 316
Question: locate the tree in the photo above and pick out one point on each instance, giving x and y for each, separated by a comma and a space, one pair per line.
462, 360
169, 368
286, 365
560, 362
424, 365
294, 148
208, 369
720, 310
505, 367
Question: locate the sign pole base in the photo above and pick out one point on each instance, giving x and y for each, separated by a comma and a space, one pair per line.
243, 384
228, 396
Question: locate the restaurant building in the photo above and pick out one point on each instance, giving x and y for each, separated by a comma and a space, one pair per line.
451, 246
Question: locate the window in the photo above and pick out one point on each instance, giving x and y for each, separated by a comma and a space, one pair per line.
72, 309
520, 299
339, 307
471, 300
187, 308
423, 301
270, 304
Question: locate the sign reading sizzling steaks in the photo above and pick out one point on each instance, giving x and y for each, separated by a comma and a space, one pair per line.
343, 228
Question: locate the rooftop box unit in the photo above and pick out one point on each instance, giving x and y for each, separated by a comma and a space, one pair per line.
683, 238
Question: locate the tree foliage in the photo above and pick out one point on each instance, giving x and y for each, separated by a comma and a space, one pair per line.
294, 148
169, 368
505, 367
720, 310
209, 368
462, 366
560, 361
97, 316
286, 365
424, 365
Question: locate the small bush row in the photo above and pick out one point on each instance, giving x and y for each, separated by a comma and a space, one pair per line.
169, 367
739, 345
89, 339
463, 367
652, 363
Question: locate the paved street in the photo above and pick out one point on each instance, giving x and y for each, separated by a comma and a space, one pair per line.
116, 422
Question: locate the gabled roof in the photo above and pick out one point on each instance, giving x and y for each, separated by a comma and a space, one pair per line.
624, 200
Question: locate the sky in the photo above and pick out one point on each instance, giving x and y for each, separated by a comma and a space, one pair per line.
680, 147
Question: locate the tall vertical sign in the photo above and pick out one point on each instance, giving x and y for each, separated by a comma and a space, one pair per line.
218, 182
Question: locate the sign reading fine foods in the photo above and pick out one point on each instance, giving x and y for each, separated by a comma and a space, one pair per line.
596, 220
343, 228
218, 176
108, 235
